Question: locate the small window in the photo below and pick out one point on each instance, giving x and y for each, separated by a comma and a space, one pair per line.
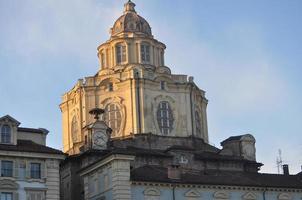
110, 87
86, 139
6, 196
120, 53
162, 85
35, 170
6, 168
165, 117
145, 53
5, 134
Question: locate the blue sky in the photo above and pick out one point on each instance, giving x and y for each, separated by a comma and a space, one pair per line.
246, 55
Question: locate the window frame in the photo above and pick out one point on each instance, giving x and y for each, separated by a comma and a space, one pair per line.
110, 87
7, 193
113, 117
163, 85
145, 52
35, 172
120, 53
165, 118
6, 134
11, 171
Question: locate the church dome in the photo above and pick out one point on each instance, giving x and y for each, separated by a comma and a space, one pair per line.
131, 22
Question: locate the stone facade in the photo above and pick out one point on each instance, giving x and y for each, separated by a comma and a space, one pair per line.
193, 171
152, 140
29, 169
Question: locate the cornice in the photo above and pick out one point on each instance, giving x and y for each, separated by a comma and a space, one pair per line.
220, 187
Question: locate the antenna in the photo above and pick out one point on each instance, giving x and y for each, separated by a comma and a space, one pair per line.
279, 161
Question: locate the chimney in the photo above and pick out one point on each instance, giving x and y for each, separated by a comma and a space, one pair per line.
285, 170
174, 172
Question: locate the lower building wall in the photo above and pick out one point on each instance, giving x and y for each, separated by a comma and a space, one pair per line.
141, 192
22, 187
53, 179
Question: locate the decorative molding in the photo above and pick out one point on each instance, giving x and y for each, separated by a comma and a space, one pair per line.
105, 81
284, 196
164, 77
249, 196
192, 193
34, 189
219, 195
151, 192
215, 187
8, 118
7, 184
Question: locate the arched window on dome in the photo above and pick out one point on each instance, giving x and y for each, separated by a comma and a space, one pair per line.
113, 118
74, 129
197, 123
145, 53
6, 134
165, 117
120, 51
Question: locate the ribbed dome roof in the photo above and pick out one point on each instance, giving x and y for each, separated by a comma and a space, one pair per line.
130, 21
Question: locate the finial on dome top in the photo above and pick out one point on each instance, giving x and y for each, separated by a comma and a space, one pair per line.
129, 7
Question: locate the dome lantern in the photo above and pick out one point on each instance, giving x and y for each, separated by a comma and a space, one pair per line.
131, 22
129, 7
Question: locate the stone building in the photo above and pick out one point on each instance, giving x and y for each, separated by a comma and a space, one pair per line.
135, 130
135, 88
29, 169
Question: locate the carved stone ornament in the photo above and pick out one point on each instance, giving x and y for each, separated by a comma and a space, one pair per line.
7, 184
219, 195
192, 193
249, 196
284, 196
152, 192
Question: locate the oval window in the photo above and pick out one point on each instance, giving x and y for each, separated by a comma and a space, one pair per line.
112, 117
